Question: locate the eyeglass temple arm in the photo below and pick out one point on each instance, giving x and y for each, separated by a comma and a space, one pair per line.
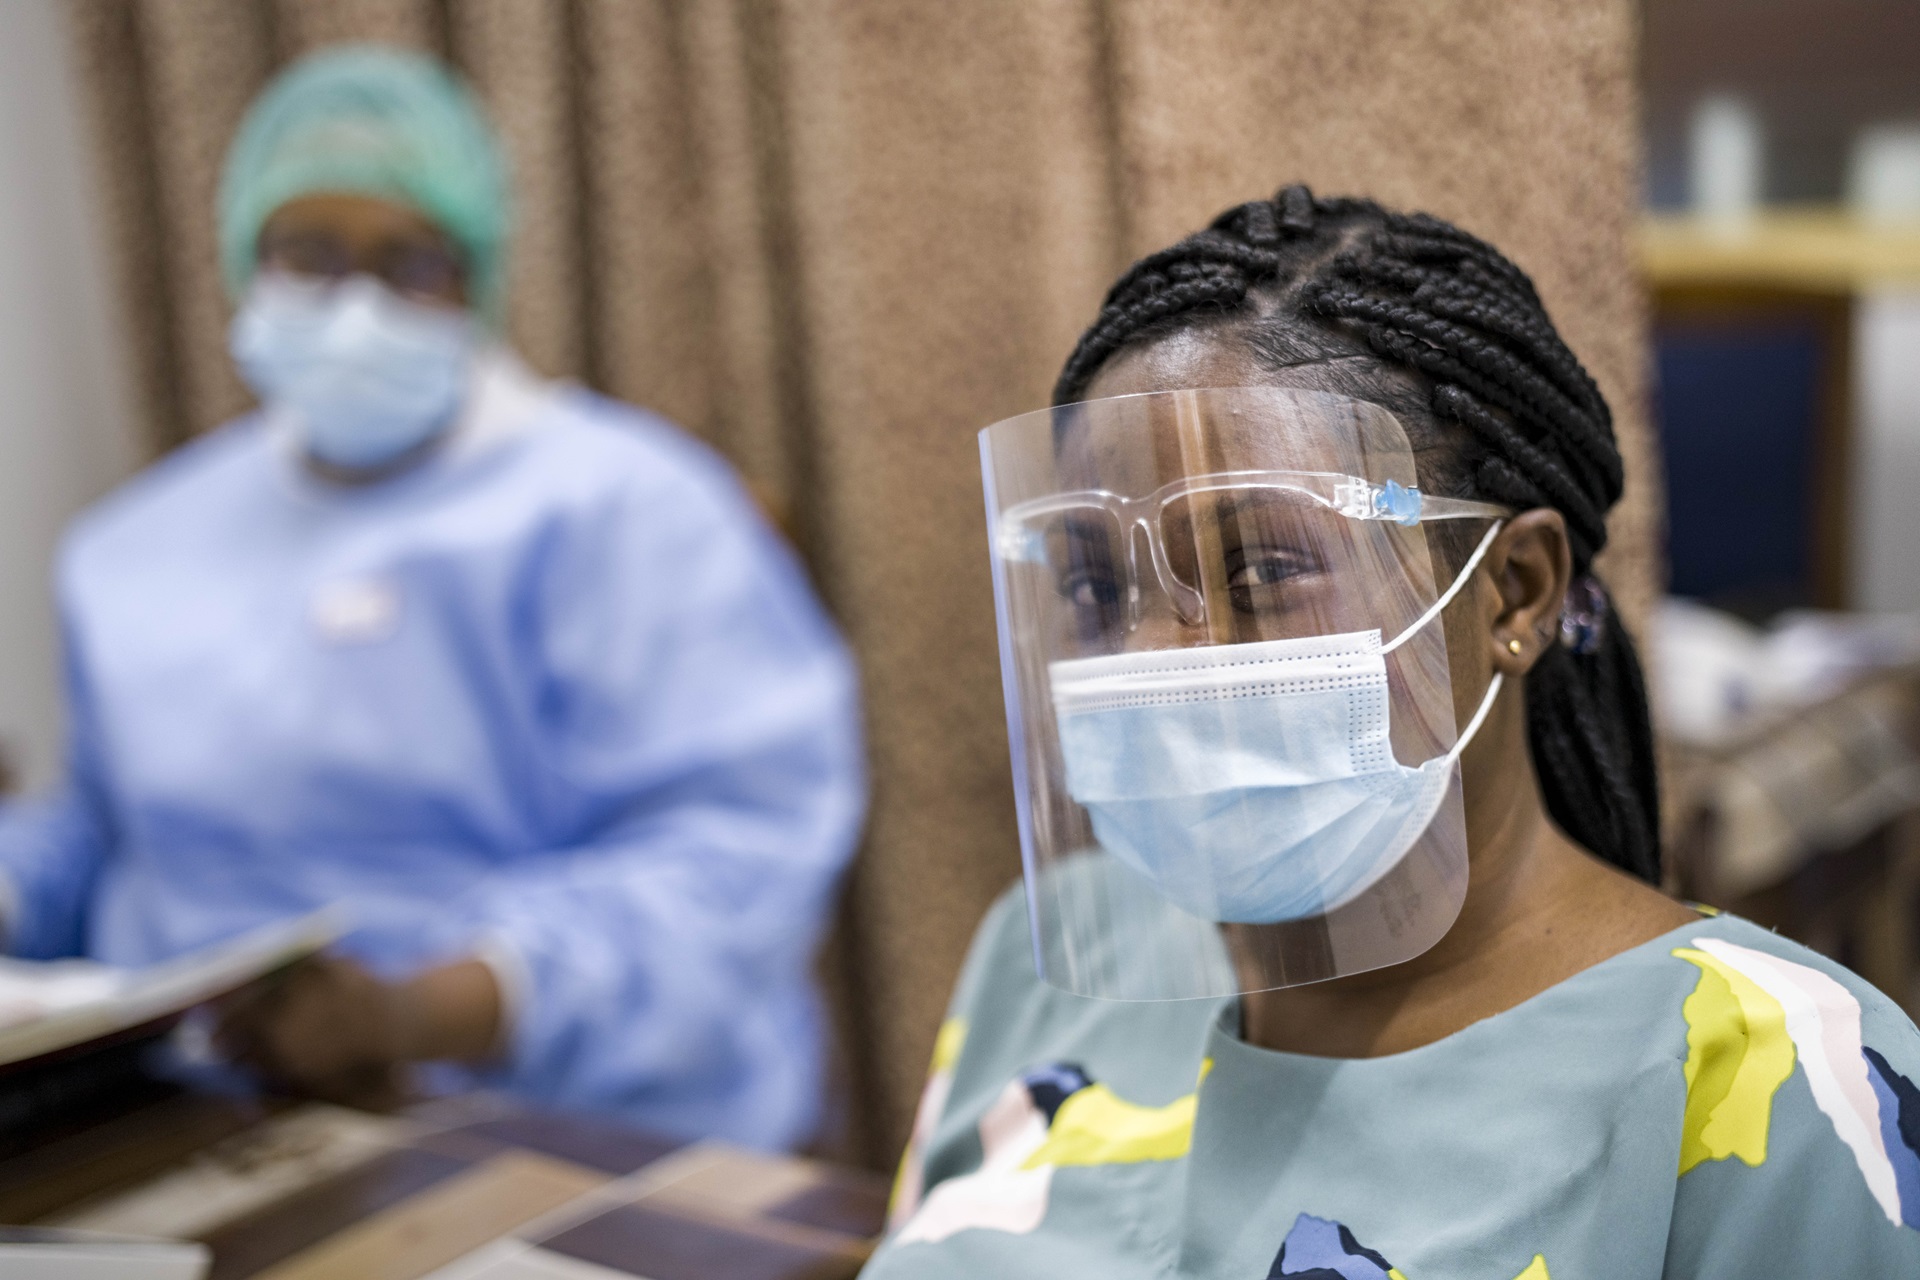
1432, 508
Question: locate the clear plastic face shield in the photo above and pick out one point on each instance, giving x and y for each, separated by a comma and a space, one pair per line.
1228, 695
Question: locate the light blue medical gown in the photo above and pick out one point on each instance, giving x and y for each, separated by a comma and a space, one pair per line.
559, 693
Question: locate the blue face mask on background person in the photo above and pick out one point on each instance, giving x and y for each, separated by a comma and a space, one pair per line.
1251, 783
364, 375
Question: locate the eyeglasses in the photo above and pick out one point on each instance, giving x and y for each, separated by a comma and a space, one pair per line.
422, 271
1241, 533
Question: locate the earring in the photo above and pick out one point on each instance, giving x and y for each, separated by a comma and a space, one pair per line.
1514, 646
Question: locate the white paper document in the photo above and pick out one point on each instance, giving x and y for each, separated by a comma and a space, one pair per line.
37, 1253
46, 1005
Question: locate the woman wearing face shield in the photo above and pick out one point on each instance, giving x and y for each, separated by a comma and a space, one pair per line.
512, 675
1341, 953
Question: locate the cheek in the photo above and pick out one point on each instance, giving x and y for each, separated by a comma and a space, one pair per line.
1468, 639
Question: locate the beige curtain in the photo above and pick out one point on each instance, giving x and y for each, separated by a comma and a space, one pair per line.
835, 237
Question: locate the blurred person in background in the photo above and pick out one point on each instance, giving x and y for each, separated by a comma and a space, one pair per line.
515, 675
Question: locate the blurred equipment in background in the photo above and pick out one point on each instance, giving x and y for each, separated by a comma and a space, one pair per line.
1793, 778
1883, 174
1752, 396
1728, 159
1783, 259
1789, 409
1783, 255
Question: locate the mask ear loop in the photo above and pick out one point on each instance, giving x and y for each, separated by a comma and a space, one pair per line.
1479, 717
1446, 597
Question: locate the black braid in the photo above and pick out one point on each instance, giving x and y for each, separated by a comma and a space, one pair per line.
1424, 295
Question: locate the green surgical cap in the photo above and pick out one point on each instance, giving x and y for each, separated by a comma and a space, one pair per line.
377, 122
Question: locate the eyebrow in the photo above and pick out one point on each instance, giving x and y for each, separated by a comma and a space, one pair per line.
1088, 529
1264, 499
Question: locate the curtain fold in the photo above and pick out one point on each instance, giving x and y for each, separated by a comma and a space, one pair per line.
836, 237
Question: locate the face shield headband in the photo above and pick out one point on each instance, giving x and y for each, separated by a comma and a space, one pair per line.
1229, 782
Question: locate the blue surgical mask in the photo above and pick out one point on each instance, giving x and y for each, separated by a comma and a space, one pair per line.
1250, 783
363, 374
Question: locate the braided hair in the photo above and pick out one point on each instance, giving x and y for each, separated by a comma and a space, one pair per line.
1494, 392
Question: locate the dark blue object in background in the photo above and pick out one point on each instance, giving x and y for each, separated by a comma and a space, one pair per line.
1739, 407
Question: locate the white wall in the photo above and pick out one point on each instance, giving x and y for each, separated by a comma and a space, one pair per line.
66, 428
1886, 451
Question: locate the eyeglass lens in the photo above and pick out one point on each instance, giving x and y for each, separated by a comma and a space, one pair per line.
1243, 550
417, 270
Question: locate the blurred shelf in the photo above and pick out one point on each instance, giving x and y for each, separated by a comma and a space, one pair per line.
1813, 249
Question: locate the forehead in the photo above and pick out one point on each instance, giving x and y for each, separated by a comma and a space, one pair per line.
1187, 359
1143, 443
353, 216
1238, 353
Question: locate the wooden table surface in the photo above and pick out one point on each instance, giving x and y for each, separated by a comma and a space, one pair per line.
459, 1189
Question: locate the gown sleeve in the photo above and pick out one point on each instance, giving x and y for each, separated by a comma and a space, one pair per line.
1829, 1183
51, 846
701, 721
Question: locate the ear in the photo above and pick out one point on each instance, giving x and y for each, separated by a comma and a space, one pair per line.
1531, 565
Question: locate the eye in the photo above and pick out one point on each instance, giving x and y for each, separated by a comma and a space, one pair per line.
1263, 568
1089, 589
422, 270
1268, 579
310, 254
